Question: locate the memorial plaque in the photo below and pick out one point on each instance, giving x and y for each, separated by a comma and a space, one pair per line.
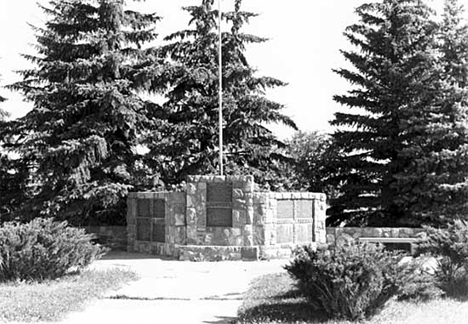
143, 229
219, 192
285, 209
305, 209
219, 217
284, 233
143, 207
219, 205
304, 233
159, 208
159, 232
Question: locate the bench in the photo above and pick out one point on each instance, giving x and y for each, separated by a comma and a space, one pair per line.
393, 242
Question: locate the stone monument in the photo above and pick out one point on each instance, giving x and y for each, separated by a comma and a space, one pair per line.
224, 218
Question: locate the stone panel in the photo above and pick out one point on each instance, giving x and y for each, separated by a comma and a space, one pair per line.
284, 233
285, 208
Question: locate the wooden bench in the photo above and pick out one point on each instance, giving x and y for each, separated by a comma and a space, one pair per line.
392, 240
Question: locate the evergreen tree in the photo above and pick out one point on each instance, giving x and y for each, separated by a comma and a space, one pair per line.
395, 84
79, 141
443, 191
189, 144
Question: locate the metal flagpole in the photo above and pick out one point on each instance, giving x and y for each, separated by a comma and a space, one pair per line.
220, 90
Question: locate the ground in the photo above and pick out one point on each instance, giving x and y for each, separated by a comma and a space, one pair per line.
170, 291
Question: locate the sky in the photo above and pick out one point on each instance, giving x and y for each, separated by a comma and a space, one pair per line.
305, 39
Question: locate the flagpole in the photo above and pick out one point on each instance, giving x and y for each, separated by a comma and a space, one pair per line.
220, 91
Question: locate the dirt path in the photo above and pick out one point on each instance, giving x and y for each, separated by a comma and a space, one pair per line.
171, 291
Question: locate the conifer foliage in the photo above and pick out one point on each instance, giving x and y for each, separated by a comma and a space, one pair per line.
79, 140
189, 144
395, 84
446, 164
405, 147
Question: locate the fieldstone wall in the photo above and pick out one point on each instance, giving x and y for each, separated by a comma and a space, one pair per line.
223, 218
342, 235
284, 220
113, 237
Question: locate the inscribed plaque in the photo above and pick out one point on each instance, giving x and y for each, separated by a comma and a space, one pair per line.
143, 207
219, 204
159, 232
143, 229
285, 209
304, 208
219, 217
159, 208
219, 192
284, 233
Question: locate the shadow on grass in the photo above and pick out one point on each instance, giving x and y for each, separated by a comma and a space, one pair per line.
284, 311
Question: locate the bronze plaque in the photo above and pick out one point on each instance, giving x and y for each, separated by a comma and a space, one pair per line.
143, 207
219, 192
159, 232
219, 217
285, 209
219, 204
143, 229
159, 208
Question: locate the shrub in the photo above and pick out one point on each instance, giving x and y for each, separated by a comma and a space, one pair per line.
43, 249
353, 281
450, 248
420, 284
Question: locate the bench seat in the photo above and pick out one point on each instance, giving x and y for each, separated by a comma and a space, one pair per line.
391, 240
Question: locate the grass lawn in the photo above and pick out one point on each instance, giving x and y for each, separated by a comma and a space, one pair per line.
273, 299
53, 300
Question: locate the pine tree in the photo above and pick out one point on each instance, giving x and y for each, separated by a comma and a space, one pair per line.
79, 141
394, 83
189, 143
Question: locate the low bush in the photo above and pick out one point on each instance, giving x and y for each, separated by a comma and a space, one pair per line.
43, 249
420, 283
351, 282
450, 248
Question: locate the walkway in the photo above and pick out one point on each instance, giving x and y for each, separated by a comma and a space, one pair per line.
171, 291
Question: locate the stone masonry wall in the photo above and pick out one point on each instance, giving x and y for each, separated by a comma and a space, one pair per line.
284, 220
222, 218
155, 231
230, 237
342, 235
113, 237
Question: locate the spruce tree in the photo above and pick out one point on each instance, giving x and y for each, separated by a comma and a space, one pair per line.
79, 141
394, 85
189, 144
442, 193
